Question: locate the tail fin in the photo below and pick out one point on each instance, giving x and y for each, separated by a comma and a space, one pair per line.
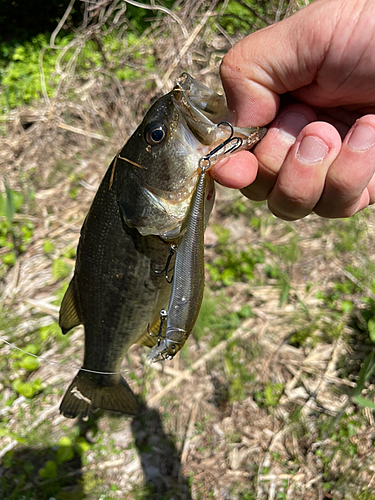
83, 396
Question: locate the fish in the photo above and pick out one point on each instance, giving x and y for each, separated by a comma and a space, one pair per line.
118, 288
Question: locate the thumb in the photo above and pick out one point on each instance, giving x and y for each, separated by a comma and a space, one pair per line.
280, 58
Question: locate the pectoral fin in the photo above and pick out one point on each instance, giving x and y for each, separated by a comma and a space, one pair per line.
68, 317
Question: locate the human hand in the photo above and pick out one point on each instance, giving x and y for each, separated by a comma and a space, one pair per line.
323, 60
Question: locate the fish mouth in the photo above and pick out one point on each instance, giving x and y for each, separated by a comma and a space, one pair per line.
201, 98
205, 113
201, 108
198, 109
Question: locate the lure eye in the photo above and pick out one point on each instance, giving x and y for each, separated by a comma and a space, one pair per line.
156, 134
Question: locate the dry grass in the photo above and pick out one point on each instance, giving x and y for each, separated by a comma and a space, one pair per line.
258, 404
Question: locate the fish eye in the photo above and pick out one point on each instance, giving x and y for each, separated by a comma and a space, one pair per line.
156, 134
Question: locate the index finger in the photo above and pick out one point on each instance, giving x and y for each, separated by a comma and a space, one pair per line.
278, 59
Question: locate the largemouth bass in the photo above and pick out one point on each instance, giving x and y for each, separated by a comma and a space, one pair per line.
135, 217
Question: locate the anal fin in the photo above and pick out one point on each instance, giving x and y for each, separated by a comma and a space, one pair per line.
68, 317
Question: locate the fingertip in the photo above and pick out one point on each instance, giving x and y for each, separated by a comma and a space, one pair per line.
237, 171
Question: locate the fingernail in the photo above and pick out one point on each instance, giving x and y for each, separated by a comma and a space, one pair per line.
311, 150
291, 124
362, 138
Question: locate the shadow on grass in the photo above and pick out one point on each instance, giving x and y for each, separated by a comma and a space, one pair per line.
159, 458
33, 474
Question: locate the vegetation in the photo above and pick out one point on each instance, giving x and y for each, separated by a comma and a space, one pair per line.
273, 394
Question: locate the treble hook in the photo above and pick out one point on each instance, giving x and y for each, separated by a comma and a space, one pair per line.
163, 317
237, 142
172, 251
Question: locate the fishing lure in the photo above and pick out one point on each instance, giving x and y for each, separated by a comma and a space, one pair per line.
188, 280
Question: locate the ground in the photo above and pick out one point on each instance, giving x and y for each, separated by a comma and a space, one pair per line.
272, 396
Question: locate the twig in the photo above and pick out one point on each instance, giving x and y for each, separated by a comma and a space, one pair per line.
190, 430
44, 306
61, 24
266, 458
52, 46
256, 14
80, 131
162, 9
323, 379
279, 11
199, 363
162, 367
188, 43
359, 284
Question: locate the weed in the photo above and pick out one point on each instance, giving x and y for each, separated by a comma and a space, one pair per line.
237, 372
270, 395
15, 234
215, 323
233, 264
60, 269
48, 247
241, 17
306, 334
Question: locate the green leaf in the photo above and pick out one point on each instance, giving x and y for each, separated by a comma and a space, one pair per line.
49, 330
23, 388
27, 389
366, 403
371, 329
60, 269
364, 374
31, 348
346, 306
65, 441
64, 454
9, 259
81, 445
2, 205
48, 247
285, 289
10, 209
49, 471
29, 363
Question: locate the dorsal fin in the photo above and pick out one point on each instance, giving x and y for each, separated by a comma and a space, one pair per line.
68, 317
